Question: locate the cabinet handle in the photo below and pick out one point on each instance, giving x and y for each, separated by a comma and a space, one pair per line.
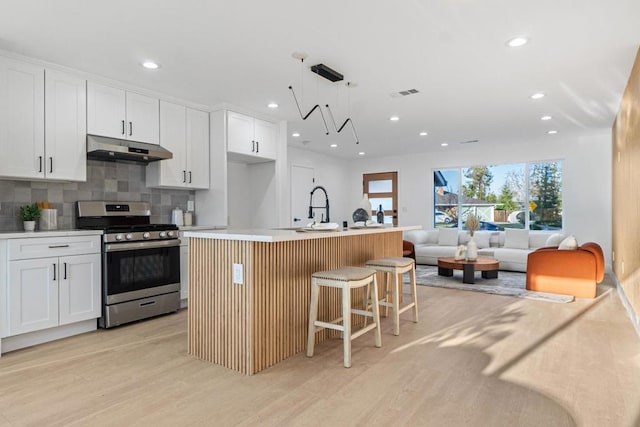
65, 271
184, 176
40, 161
123, 131
253, 146
54, 272
50, 164
189, 177
58, 246
130, 128
257, 146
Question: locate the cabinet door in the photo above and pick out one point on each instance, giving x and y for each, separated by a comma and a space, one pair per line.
80, 292
33, 295
171, 172
197, 149
65, 127
105, 111
240, 133
266, 136
143, 118
21, 119
184, 272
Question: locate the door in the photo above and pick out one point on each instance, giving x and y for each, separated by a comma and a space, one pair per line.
382, 189
240, 133
143, 118
302, 182
173, 137
266, 137
33, 295
197, 149
21, 119
80, 288
106, 115
65, 127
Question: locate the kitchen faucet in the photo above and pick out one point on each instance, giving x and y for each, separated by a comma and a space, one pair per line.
326, 204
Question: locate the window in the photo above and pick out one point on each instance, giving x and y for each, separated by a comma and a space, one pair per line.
517, 195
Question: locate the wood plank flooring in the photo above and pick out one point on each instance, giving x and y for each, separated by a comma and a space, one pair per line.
473, 360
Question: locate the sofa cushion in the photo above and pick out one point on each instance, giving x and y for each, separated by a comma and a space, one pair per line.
421, 237
482, 239
569, 244
448, 236
554, 239
516, 239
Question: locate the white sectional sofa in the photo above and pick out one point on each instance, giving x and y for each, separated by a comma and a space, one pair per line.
510, 247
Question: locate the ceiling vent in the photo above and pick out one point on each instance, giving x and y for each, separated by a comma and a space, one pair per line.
404, 93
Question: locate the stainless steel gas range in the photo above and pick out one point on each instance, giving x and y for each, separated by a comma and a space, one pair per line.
140, 261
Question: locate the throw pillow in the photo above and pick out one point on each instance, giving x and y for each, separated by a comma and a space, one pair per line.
569, 244
516, 239
555, 239
482, 239
447, 237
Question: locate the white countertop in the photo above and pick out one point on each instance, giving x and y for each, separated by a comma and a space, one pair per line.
283, 235
51, 233
201, 227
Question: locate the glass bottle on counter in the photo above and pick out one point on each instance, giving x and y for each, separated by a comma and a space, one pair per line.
380, 215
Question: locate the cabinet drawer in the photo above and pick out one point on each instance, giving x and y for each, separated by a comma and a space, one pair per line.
53, 246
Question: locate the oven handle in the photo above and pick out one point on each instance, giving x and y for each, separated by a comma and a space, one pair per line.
117, 247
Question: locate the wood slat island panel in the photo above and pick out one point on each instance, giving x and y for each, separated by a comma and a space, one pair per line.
255, 325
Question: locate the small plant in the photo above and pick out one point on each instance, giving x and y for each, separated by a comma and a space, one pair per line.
29, 212
472, 224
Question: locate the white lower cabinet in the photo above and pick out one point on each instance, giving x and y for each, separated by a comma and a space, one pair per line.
49, 291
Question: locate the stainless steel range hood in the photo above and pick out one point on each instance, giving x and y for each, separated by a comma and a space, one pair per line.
112, 149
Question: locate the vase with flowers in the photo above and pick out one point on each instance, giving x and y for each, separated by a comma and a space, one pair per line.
472, 225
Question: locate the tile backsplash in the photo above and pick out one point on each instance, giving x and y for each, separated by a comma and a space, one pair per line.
112, 181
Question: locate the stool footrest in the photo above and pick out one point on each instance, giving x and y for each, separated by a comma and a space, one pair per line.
363, 330
327, 325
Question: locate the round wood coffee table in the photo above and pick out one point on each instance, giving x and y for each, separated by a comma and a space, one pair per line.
488, 267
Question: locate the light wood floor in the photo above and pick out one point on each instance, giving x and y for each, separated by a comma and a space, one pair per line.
473, 360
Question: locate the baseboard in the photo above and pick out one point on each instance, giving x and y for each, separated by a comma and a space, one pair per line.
17, 342
184, 303
635, 321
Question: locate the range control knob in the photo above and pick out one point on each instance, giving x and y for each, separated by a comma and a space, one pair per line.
146, 235
129, 236
163, 234
118, 236
170, 234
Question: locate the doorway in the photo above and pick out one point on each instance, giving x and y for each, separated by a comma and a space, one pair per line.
382, 189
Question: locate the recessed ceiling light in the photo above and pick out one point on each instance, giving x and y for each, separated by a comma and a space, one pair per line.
362, 153
272, 105
538, 95
150, 65
517, 41
552, 132
423, 134
444, 144
333, 145
295, 134
545, 118
394, 118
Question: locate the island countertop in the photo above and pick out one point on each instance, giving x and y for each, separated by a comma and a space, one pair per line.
284, 235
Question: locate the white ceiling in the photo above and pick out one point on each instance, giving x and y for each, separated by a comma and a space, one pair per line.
453, 51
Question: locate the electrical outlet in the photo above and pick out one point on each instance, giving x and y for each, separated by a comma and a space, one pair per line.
191, 206
238, 274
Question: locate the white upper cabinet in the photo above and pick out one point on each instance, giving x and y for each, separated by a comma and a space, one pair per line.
251, 137
185, 132
65, 127
21, 119
28, 101
116, 113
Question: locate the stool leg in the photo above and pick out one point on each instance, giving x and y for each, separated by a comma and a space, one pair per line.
396, 305
414, 294
367, 298
346, 324
376, 313
386, 293
313, 315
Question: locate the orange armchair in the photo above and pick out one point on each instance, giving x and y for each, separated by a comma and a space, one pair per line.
408, 249
570, 272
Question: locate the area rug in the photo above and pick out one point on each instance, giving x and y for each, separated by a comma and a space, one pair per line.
508, 283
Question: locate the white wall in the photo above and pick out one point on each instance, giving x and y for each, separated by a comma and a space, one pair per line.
586, 179
333, 174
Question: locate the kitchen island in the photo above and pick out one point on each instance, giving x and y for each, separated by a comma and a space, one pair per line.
249, 290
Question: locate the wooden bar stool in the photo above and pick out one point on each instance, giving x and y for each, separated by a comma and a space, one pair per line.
395, 267
345, 278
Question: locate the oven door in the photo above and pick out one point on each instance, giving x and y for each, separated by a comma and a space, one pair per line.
140, 269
